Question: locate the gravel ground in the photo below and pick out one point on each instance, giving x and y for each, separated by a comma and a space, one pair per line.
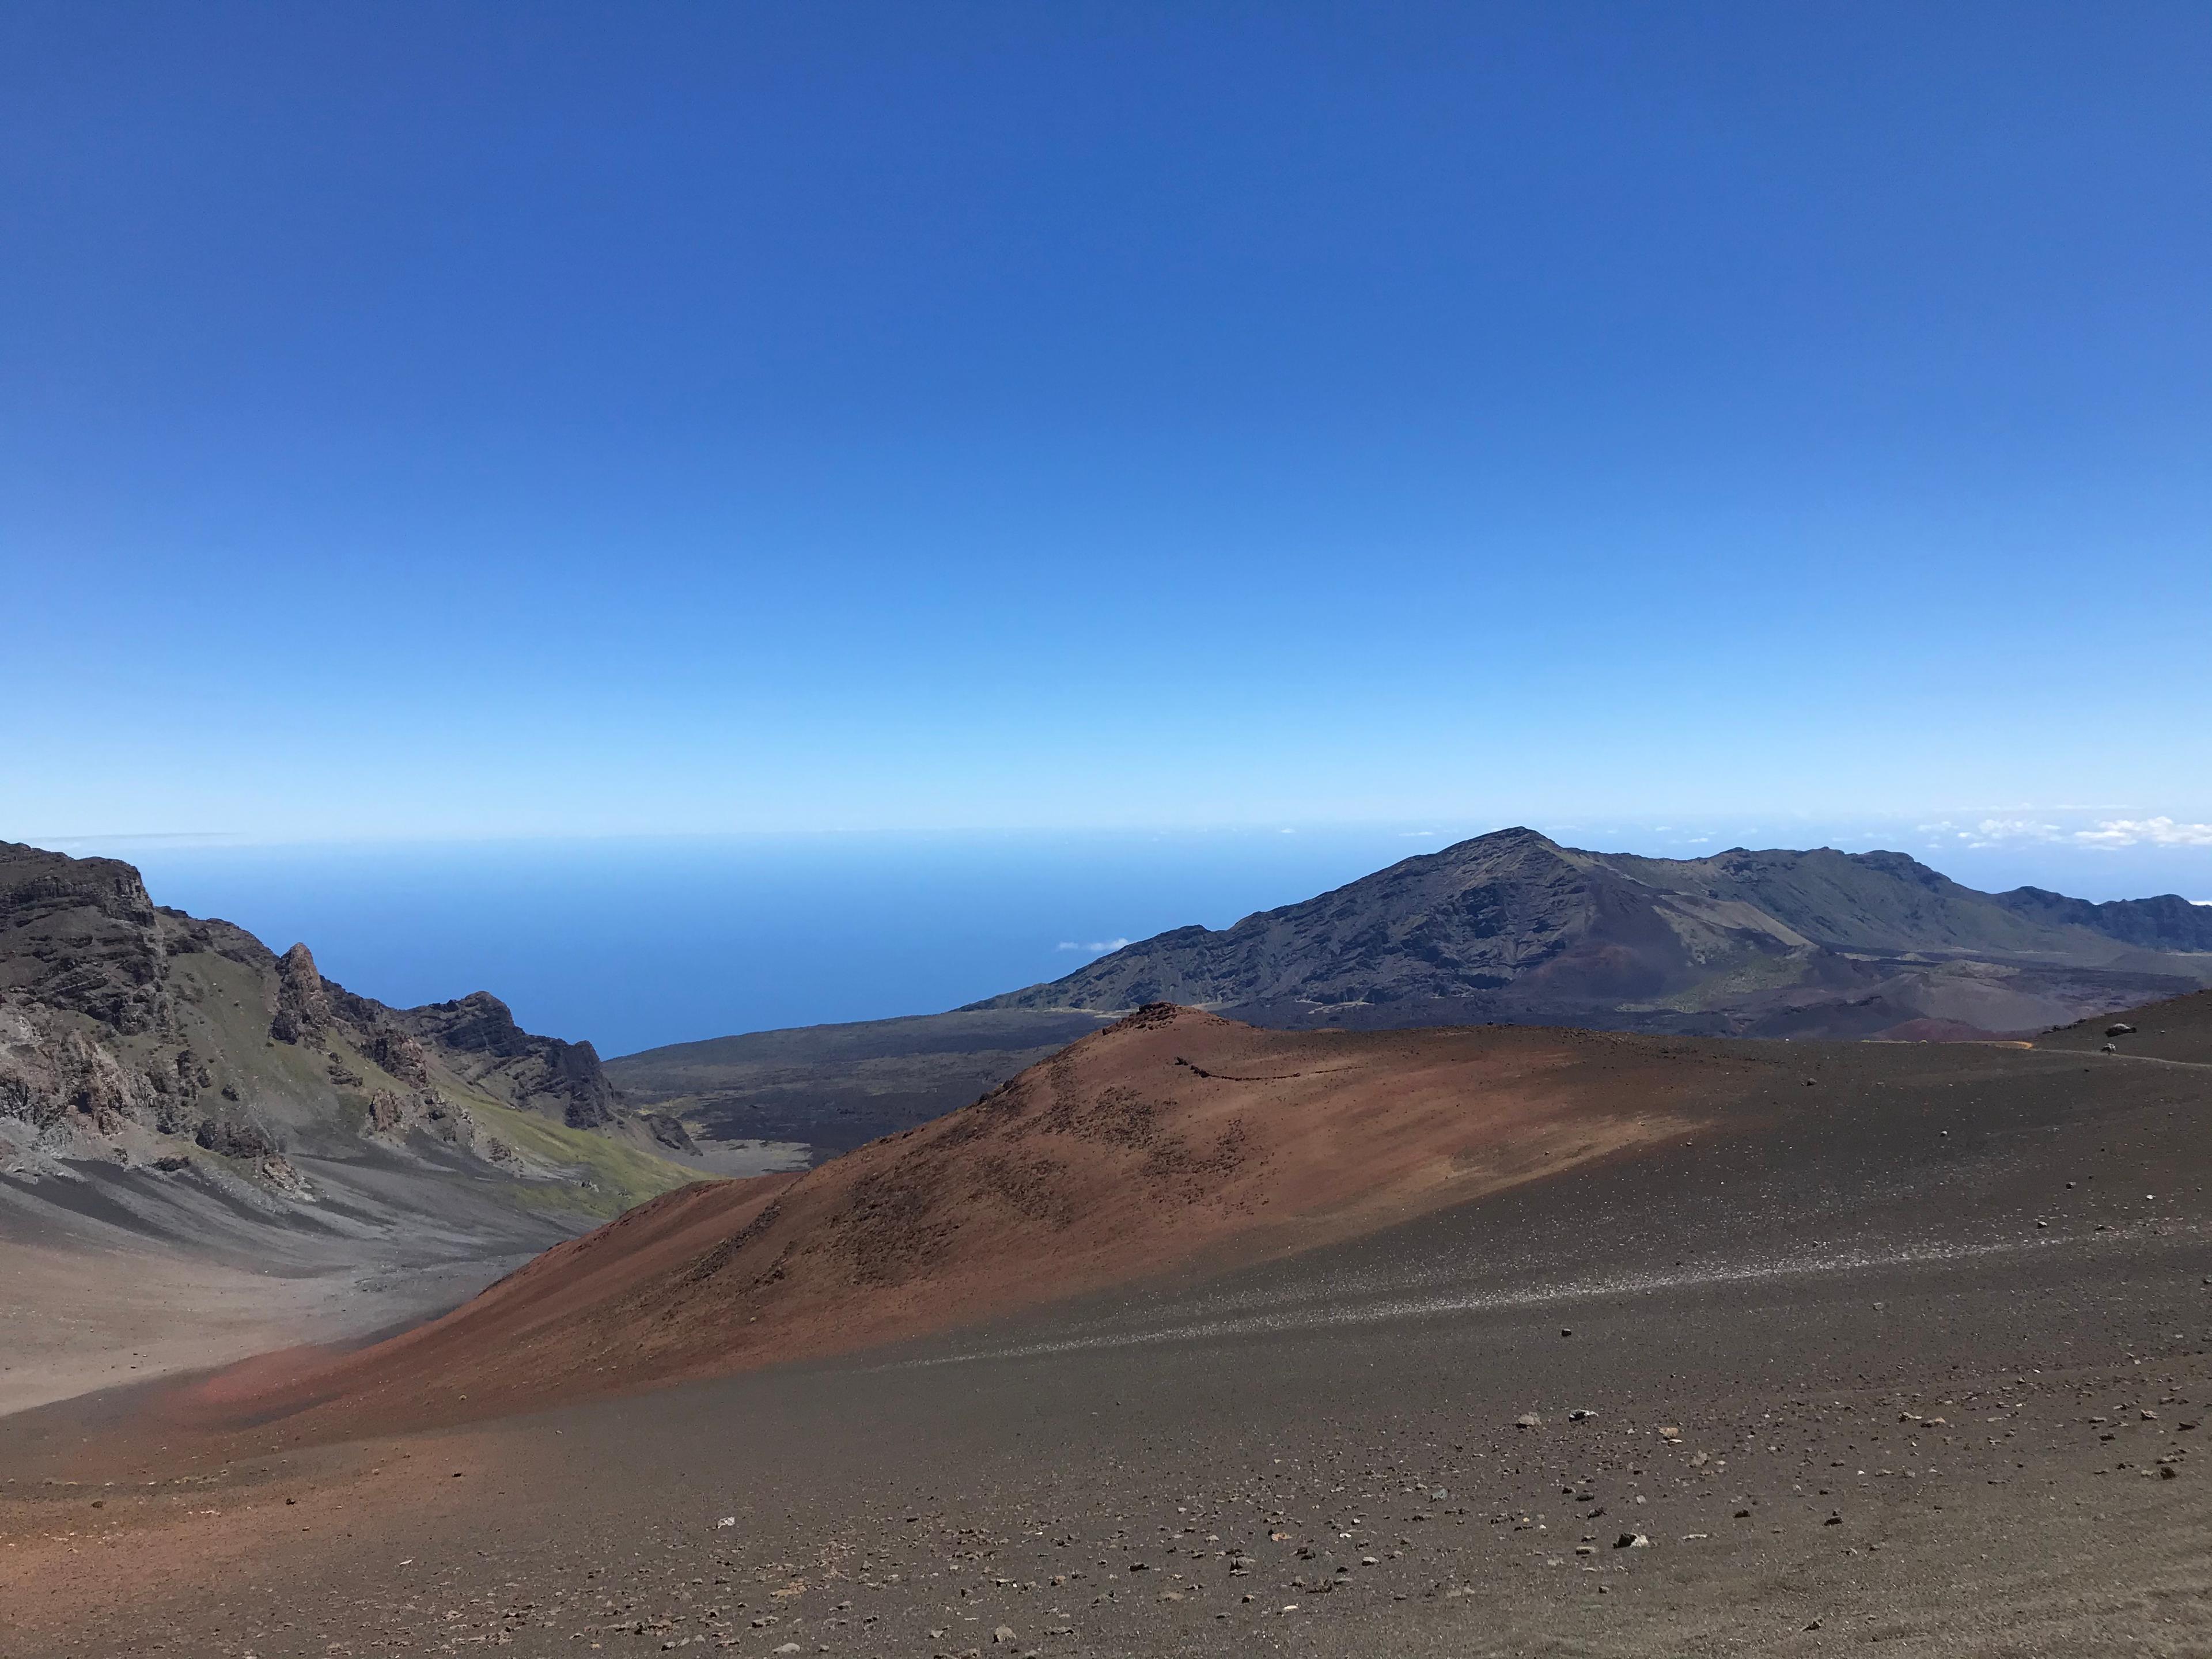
1836, 1386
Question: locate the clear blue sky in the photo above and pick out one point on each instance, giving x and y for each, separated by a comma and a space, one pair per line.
438, 420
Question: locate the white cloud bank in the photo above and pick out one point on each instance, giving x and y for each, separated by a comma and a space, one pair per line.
1097, 947
2108, 832
2155, 832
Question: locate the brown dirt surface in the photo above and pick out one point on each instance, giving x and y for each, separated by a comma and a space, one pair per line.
2178, 1029
1904, 1347
1170, 1140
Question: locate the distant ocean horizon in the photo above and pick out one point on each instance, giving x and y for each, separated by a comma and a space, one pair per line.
637, 942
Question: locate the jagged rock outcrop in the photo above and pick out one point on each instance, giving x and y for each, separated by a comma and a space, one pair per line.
128, 1030
390, 1114
399, 1053
481, 1028
228, 1138
303, 1008
81, 935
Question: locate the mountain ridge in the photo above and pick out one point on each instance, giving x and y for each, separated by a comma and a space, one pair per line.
1510, 927
139, 1039
1513, 926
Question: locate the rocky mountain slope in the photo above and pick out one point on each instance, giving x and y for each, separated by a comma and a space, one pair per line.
170, 1085
1514, 927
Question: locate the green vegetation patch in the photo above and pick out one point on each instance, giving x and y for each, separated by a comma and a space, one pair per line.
616, 1176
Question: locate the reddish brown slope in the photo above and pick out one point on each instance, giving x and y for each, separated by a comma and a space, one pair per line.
1172, 1138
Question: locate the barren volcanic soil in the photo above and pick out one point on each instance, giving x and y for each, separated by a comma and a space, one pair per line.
1815, 1351
1172, 1140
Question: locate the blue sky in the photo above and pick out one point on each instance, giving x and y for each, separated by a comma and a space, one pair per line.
489, 420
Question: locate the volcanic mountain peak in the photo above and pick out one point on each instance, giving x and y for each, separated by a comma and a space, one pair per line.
1513, 926
1510, 926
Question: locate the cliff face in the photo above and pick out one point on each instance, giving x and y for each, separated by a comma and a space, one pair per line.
81, 935
135, 1035
478, 1033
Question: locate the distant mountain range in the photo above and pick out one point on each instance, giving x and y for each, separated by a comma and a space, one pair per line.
189, 1084
137, 1037
1513, 928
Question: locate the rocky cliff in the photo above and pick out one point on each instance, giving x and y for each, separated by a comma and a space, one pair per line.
136, 1036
